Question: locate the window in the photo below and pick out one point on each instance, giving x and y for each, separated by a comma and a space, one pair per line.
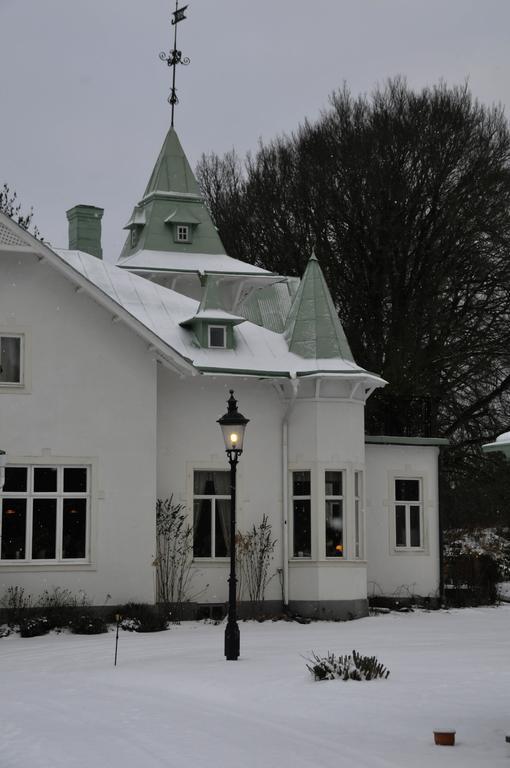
301, 514
211, 514
358, 514
217, 336
11, 359
334, 501
182, 233
45, 513
134, 237
408, 514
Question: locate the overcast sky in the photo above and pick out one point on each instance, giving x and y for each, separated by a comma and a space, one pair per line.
83, 94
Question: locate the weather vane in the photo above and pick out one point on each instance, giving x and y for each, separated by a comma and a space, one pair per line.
175, 56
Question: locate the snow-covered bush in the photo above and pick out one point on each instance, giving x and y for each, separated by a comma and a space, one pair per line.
141, 617
87, 624
59, 605
352, 667
34, 627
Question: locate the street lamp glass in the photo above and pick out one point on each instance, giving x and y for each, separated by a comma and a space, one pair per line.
233, 435
233, 425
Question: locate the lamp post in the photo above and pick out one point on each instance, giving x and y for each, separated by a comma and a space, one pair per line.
233, 425
3, 462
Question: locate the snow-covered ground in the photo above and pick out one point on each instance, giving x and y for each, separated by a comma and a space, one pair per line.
173, 700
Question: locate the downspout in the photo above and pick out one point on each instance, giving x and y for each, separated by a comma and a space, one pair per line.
285, 495
440, 522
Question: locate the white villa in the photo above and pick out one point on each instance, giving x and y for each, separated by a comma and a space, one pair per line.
112, 377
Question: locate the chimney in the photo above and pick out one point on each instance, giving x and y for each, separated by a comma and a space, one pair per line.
85, 229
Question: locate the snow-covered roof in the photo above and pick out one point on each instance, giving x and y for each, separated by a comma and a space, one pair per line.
165, 261
155, 313
258, 351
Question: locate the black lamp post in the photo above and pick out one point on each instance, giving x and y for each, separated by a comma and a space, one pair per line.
233, 425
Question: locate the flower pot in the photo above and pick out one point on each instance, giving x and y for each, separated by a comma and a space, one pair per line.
444, 738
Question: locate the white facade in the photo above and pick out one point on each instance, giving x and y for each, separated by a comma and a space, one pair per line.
89, 400
110, 389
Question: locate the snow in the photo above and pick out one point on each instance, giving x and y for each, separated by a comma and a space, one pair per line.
174, 701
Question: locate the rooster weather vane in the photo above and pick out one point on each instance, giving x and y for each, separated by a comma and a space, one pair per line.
175, 56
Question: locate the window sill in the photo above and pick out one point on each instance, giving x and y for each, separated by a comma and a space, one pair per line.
46, 567
409, 551
218, 561
330, 562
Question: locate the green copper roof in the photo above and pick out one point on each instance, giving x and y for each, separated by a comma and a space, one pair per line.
172, 172
171, 198
313, 329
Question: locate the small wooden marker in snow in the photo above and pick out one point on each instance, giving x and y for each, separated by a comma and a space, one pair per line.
118, 619
444, 738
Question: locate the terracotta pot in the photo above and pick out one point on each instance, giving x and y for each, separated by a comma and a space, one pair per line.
444, 738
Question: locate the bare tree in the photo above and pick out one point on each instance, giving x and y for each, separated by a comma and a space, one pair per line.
11, 207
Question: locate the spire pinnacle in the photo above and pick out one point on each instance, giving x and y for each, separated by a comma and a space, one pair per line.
175, 56
313, 329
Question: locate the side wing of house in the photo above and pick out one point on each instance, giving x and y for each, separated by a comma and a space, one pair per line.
402, 517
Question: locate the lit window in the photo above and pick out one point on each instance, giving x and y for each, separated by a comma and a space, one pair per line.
182, 233
334, 501
11, 360
301, 514
45, 513
217, 336
408, 514
211, 514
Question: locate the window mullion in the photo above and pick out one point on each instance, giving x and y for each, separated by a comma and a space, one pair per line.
29, 529
213, 526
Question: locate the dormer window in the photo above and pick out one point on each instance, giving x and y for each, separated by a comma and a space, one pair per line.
134, 237
217, 336
182, 233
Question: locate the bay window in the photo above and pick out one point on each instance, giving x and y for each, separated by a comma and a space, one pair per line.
334, 508
301, 514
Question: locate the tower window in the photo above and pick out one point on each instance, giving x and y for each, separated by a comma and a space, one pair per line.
183, 233
217, 336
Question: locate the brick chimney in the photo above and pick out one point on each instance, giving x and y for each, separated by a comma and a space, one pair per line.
85, 229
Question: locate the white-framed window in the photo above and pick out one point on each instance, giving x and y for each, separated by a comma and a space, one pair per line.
301, 514
358, 514
11, 359
334, 509
211, 513
217, 336
408, 511
45, 514
182, 233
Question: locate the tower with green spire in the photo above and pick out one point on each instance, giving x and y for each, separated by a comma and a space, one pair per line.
171, 216
313, 329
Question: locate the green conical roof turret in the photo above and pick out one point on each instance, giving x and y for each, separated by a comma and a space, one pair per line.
172, 172
172, 215
313, 329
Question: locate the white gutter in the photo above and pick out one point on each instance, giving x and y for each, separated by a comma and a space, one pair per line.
285, 492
